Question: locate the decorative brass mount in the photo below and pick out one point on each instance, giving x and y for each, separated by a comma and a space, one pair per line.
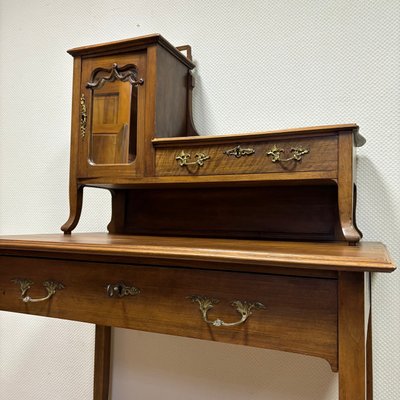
243, 308
184, 157
83, 121
238, 152
120, 290
298, 152
25, 285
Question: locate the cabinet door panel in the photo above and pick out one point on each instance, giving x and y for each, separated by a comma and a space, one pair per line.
111, 115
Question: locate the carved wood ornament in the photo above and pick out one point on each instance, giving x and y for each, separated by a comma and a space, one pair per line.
127, 73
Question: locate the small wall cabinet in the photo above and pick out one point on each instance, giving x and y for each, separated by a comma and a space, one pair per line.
124, 94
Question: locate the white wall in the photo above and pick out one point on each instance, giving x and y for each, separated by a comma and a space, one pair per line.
261, 65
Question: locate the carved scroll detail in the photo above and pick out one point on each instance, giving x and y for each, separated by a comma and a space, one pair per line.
128, 73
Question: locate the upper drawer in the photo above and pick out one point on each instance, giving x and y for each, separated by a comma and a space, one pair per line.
299, 313
313, 154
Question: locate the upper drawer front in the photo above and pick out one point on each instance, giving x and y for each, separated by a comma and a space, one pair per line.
272, 156
300, 313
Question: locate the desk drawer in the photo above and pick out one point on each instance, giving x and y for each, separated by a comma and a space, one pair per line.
272, 156
299, 314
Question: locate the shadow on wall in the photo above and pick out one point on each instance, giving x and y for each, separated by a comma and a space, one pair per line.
378, 214
379, 220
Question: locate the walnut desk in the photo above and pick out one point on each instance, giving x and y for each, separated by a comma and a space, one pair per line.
233, 238
302, 297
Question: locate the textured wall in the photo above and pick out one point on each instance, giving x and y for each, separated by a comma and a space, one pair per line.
261, 65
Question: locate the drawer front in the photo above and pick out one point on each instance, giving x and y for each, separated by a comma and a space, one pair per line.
298, 314
273, 156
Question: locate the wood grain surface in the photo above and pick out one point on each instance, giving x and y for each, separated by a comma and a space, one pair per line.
367, 256
322, 156
300, 313
310, 131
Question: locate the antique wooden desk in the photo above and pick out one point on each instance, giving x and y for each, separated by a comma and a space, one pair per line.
314, 296
247, 239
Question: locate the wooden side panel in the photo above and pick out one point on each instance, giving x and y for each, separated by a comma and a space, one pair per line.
75, 190
300, 313
171, 103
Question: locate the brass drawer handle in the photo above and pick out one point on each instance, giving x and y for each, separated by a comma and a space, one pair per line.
184, 157
83, 121
238, 152
25, 285
243, 308
120, 290
298, 152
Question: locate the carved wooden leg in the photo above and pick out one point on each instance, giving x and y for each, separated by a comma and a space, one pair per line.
75, 208
346, 189
352, 347
191, 129
102, 360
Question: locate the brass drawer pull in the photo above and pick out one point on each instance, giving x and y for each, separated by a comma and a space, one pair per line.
238, 152
25, 285
298, 152
120, 290
83, 121
243, 308
184, 157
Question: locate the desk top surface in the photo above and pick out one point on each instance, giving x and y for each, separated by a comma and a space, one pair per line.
367, 256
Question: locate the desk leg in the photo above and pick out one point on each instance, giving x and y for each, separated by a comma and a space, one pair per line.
370, 388
102, 352
352, 346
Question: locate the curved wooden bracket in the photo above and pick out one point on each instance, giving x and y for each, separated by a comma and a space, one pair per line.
75, 207
191, 130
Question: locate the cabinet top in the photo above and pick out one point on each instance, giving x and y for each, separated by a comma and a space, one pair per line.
256, 255
359, 140
133, 44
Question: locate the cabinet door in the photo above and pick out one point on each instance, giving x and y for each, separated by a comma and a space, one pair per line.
111, 116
